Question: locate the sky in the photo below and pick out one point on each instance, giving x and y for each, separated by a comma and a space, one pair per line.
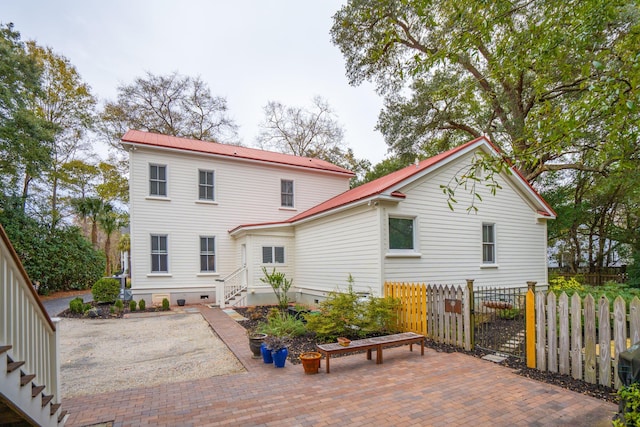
248, 51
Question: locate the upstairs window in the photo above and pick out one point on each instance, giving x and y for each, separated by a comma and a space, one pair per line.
208, 254
286, 193
205, 185
159, 254
158, 180
401, 233
273, 254
488, 244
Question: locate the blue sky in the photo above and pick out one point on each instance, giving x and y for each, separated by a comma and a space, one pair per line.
250, 52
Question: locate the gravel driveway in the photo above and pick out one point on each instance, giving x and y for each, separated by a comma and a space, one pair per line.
99, 356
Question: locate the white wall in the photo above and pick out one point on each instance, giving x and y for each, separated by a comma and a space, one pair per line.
451, 241
246, 192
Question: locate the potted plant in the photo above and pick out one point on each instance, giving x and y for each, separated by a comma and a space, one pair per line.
278, 348
310, 361
255, 342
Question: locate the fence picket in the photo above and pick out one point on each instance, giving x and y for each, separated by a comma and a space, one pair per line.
619, 334
604, 335
576, 336
459, 340
552, 337
467, 308
563, 315
589, 340
541, 327
634, 320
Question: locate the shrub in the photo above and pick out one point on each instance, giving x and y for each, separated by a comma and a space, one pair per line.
142, 304
280, 285
347, 314
119, 306
561, 284
106, 290
165, 304
132, 305
76, 305
630, 402
281, 324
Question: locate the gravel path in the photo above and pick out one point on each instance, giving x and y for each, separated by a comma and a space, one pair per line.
107, 355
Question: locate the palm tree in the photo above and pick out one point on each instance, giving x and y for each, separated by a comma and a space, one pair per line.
110, 221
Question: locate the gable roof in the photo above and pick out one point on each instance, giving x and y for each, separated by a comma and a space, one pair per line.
387, 185
151, 139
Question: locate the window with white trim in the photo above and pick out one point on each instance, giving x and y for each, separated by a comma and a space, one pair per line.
286, 193
207, 254
401, 233
488, 243
157, 180
273, 254
205, 185
159, 254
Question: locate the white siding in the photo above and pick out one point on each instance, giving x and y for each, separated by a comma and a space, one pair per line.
245, 191
450, 242
331, 248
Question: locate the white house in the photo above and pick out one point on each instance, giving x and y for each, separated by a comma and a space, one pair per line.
296, 215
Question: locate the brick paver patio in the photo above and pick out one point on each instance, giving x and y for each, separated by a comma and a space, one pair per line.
438, 389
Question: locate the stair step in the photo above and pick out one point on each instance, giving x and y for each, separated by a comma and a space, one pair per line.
4, 348
46, 399
26, 379
62, 415
55, 407
36, 390
12, 366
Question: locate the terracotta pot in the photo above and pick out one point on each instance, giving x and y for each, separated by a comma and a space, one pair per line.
310, 362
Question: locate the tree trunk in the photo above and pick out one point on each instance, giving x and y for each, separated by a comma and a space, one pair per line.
107, 253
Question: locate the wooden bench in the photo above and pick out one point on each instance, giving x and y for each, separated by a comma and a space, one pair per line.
375, 343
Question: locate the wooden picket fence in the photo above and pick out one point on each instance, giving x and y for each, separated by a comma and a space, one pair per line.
580, 337
442, 313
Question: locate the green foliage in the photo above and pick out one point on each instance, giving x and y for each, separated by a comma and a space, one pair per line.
132, 305
119, 306
59, 259
275, 343
165, 304
76, 305
633, 271
347, 314
106, 290
281, 324
561, 284
509, 313
142, 304
630, 395
280, 285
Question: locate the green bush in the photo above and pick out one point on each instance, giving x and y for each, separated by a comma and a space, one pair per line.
561, 284
165, 304
280, 324
630, 398
142, 304
346, 314
106, 290
132, 305
119, 306
76, 305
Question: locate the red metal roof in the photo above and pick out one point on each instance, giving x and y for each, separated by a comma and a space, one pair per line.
214, 148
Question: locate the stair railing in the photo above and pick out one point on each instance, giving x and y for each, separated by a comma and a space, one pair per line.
25, 324
232, 285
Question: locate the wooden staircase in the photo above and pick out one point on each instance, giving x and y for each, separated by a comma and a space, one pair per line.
23, 402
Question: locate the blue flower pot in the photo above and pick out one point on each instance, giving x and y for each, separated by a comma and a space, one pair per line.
280, 357
266, 354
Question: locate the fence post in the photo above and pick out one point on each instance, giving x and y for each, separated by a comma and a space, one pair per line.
469, 322
530, 326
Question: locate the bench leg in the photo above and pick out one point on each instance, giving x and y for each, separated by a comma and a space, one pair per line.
411, 346
422, 347
379, 355
327, 361
368, 354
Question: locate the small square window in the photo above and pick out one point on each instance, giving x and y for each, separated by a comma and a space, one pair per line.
273, 254
401, 233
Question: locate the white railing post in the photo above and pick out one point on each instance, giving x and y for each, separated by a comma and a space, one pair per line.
220, 293
55, 360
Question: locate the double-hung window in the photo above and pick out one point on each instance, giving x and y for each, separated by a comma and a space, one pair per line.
159, 254
488, 243
205, 185
273, 254
158, 180
402, 234
208, 254
286, 193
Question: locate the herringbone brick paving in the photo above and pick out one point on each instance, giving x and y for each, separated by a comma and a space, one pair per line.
438, 389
